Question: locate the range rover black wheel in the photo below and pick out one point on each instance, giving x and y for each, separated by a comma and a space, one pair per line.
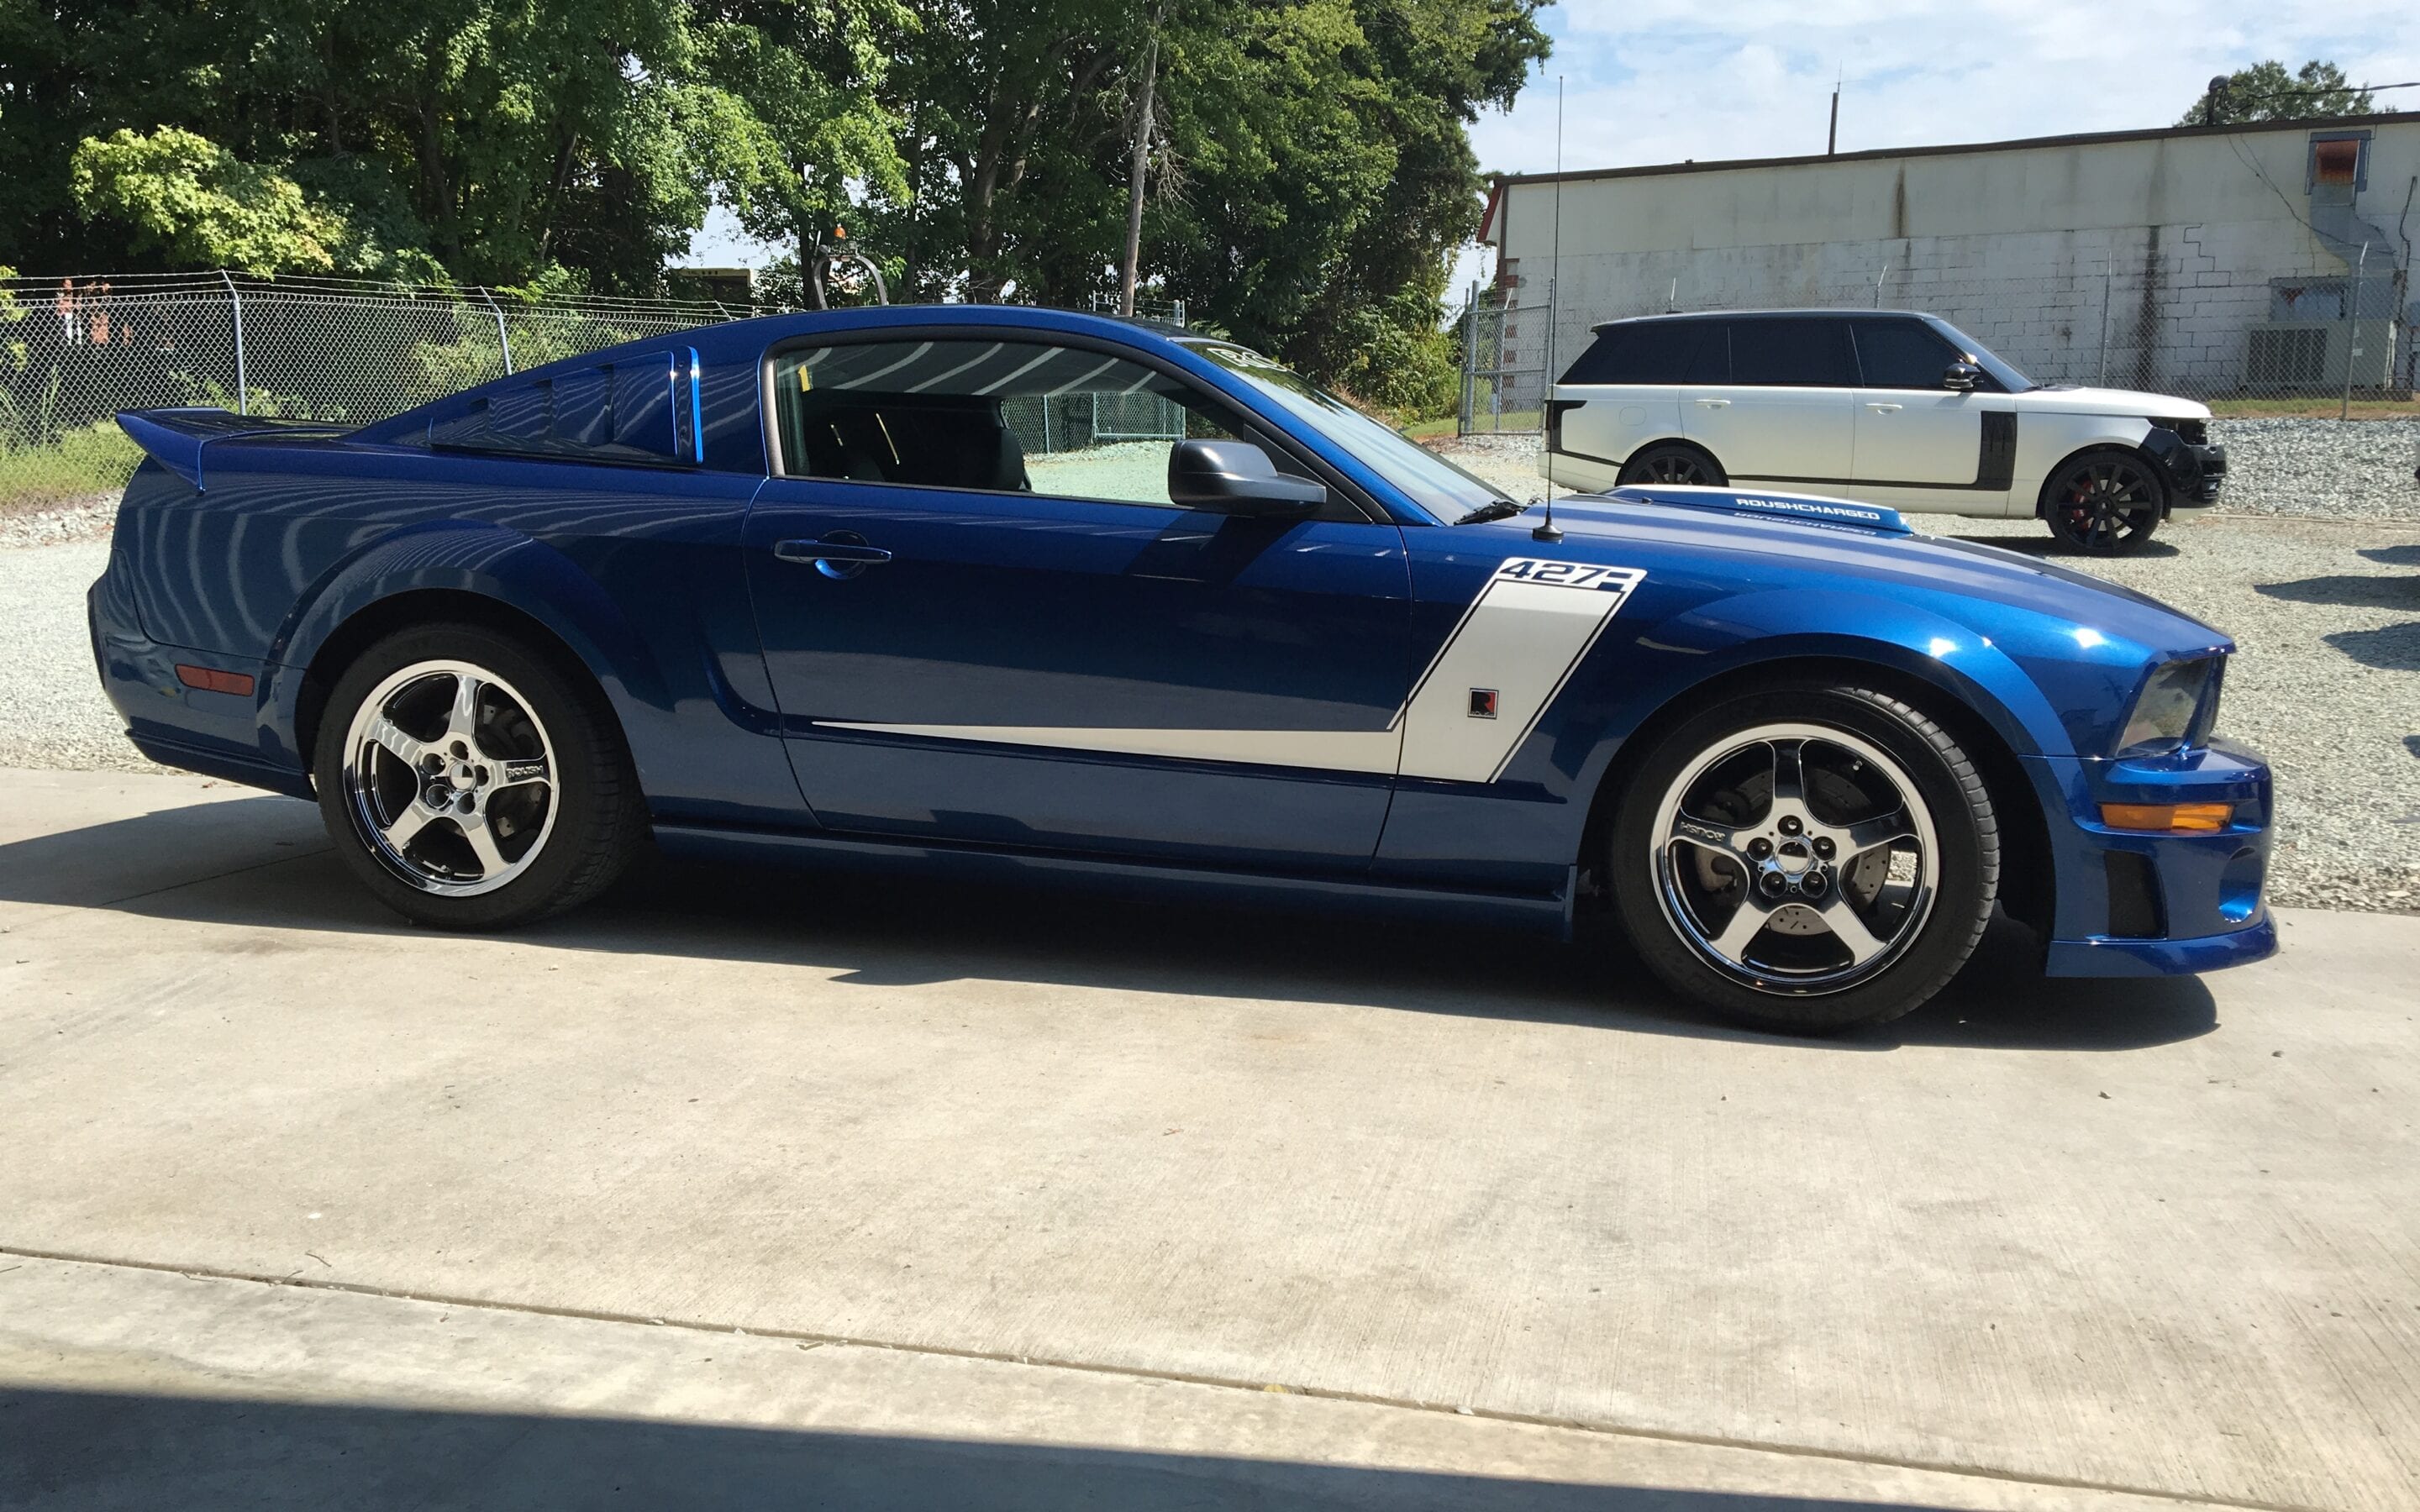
2105, 503
1807, 858
1673, 463
470, 783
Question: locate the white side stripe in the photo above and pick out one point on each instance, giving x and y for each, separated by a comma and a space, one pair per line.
1521, 639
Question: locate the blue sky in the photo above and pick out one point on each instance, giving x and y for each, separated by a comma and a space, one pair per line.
1659, 81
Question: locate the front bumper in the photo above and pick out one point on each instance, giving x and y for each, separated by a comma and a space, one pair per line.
2196, 473
2132, 903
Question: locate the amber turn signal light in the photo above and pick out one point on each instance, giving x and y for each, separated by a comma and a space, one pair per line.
212, 680
2204, 818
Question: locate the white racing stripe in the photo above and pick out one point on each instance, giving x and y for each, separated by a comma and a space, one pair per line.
1520, 640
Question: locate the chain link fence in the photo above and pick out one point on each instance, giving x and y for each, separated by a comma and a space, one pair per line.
2311, 342
75, 352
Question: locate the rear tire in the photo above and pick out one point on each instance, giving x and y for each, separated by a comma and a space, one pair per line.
470, 783
1807, 858
1672, 463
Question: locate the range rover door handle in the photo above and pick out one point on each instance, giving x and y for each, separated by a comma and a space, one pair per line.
1885, 408
1714, 404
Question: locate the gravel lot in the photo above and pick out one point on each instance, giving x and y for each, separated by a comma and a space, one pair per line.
2318, 581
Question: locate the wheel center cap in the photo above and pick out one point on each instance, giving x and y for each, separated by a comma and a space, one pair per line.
1793, 857
462, 777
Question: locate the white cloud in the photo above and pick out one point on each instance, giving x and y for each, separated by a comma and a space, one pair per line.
1665, 81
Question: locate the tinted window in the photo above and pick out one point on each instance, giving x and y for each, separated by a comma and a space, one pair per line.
1651, 351
1006, 416
1792, 354
1900, 354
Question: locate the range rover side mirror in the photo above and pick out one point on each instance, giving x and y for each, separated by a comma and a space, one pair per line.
1238, 478
1963, 377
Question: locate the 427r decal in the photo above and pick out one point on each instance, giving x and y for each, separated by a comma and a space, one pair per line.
1548, 573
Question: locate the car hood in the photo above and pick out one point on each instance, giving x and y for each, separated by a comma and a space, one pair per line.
2124, 402
1985, 586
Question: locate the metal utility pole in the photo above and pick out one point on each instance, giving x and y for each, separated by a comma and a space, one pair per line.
1140, 164
1832, 139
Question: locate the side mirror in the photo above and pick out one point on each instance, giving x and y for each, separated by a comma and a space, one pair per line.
1961, 378
1238, 478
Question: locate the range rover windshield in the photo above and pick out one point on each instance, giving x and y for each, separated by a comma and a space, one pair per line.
2007, 377
1429, 481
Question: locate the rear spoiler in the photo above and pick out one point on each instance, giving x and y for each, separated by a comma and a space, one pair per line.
175, 437
1810, 509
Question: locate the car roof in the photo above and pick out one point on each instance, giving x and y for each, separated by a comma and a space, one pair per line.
1832, 313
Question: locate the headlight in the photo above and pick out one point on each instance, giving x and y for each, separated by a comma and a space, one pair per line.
2177, 707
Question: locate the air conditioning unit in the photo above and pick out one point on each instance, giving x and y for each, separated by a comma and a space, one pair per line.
2290, 356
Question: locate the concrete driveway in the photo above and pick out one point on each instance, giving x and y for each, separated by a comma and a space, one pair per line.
917, 1193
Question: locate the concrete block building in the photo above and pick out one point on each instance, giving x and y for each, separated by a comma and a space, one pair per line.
2269, 258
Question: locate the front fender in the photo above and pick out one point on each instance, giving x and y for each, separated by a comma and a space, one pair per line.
489, 562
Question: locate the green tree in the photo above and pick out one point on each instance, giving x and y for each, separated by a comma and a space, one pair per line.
201, 204
2265, 92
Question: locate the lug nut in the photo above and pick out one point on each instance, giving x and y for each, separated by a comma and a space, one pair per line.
1824, 847
1790, 824
1813, 883
1760, 847
1772, 882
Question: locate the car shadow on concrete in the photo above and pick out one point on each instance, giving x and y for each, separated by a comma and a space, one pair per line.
2048, 546
899, 930
2393, 556
79, 1449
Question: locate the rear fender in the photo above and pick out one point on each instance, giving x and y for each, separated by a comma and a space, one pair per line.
503, 566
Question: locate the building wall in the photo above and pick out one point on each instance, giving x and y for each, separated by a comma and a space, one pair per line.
2143, 262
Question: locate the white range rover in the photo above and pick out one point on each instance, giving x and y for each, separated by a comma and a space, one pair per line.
1883, 406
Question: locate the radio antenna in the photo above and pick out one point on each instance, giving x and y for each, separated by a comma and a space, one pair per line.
1553, 294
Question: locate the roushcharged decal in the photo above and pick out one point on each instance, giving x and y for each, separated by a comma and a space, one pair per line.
1520, 640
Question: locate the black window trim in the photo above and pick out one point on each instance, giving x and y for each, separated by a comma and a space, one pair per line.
1256, 427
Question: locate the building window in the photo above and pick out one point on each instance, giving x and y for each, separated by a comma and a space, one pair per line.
2339, 161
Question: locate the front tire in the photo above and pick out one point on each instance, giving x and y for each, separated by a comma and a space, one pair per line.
2105, 503
471, 784
1807, 858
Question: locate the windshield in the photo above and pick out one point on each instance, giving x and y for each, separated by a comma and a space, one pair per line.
1429, 481
1981, 356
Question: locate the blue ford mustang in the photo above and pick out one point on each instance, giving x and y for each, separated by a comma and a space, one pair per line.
1039, 591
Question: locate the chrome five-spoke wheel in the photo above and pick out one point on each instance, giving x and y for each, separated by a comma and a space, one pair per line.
1796, 858
450, 778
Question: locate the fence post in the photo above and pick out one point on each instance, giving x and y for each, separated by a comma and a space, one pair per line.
502, 340
1469, 361
2104, 381
2352, 331
235, 303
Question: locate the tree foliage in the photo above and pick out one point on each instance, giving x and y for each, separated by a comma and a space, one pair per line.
1308, 173
2265, 92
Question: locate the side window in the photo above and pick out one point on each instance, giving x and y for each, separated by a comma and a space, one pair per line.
1795, 354
1900, 354
1007, 416
1653, 352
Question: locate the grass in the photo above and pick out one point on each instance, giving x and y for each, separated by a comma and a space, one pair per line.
96, 460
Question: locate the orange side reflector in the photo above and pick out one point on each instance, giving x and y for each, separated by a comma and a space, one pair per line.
2205, 818
212, 680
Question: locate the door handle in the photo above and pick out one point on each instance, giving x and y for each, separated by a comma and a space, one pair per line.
1714, 404
1885, 408
840, 554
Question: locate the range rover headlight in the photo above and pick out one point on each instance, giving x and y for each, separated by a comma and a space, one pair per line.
2177, 707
